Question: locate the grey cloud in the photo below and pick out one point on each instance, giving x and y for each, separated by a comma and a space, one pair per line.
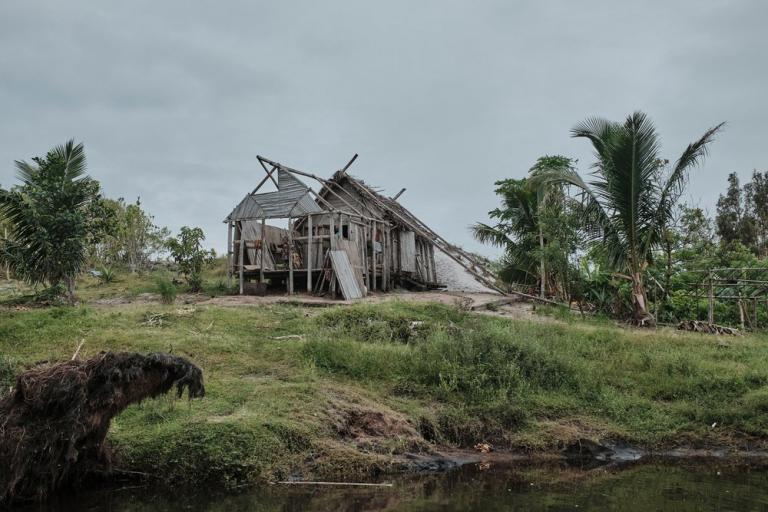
174, 99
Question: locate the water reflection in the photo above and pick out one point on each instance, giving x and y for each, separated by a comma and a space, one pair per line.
715, 486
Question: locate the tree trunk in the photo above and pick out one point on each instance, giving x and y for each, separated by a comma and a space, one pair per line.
642, 316
70, 282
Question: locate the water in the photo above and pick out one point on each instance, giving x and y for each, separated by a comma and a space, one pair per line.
680, 487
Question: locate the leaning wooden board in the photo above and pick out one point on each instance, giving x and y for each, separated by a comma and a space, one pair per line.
350, 288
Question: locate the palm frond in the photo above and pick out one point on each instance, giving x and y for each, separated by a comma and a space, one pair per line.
73, 157
691, 157
490, 235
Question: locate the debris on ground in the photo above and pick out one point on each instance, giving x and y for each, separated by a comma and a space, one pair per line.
483, 447
375, 430
154, 319
54, 423
706, 328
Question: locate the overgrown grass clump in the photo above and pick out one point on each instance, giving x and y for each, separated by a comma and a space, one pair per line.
646, 386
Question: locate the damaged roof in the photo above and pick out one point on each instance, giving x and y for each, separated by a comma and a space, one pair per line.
291, 199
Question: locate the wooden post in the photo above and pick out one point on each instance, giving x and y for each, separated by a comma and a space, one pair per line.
261, 262
373, 245
432, 259
241, 260
383, 258
290, 256
367, 268
711, 312
754, 314
331, 228
230, 254
309, 253
332, 285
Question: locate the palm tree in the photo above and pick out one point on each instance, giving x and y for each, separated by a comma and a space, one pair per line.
48, 217
516, 231
631, 198
529, 229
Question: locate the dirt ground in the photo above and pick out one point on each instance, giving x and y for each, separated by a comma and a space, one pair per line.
485, 303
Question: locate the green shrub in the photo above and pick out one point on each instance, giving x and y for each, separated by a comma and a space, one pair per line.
107, 275
167, 291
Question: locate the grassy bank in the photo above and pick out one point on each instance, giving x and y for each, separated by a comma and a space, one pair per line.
340, 391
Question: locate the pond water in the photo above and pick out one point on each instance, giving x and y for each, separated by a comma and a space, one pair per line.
644, 487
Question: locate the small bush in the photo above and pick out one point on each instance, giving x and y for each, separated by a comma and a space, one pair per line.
195, 282
167, 291
107, 275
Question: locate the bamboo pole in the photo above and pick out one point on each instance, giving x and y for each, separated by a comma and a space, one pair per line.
309, 253
263, 248
373, 245
290, 256
241, 249
366, 263
229, 254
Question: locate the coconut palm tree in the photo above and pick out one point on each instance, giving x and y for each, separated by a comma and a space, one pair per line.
529, 227
631, 197
516, 231
49, 218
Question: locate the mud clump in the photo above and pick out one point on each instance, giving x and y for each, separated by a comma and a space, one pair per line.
54, 423
380, 431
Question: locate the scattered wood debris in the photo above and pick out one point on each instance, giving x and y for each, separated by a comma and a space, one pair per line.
354, 484
706, 328
154, 319
484, 447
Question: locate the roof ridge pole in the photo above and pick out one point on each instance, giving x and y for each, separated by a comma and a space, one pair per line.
351, 161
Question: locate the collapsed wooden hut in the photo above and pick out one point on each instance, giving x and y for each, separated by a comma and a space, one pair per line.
345, 237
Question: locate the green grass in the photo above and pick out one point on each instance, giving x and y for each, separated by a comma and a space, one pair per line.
124, 284
458, 378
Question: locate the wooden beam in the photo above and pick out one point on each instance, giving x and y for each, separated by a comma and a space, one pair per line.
242, 261
330, 227
229, 254
309, 253
394, 198
261, 263
373, 246
366, 263
267, 177
290, 256
385, 252
349, 163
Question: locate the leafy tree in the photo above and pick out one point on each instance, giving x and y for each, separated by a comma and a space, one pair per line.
734, 218
134, 238
630, 201
756, 192
53, 215
187, 251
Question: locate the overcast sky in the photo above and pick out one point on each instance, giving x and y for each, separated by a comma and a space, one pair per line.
174, 99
